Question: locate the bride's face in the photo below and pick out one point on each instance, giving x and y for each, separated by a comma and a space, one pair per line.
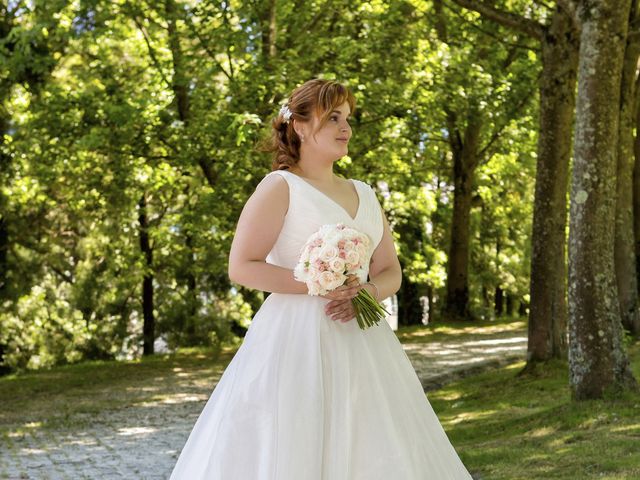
332, 139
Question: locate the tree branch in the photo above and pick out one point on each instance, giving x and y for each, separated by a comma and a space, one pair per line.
511, 20
152, 52
225, 17
496, 135
206, 48
499, 39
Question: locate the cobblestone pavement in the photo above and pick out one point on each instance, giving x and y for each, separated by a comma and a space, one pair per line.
143, 441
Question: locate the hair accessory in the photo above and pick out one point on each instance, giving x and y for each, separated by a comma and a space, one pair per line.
286, 113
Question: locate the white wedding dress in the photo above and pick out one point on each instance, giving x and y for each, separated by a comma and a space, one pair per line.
309, 398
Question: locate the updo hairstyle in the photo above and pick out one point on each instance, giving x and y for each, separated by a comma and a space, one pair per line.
316, 95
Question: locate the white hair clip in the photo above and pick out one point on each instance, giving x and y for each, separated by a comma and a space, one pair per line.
286, 113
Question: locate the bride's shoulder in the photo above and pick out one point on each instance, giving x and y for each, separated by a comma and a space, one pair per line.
272, 188
275, 177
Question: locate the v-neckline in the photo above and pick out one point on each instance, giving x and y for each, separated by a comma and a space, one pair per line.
331, 199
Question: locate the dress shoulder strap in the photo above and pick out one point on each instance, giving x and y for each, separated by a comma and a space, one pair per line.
283, 173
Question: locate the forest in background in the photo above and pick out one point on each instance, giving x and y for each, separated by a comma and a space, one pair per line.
128, 133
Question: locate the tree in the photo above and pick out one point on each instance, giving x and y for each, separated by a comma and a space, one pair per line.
475, 124
624, 250
597, 359
558, 39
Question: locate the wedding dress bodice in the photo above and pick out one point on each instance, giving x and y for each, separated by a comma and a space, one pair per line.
309, 209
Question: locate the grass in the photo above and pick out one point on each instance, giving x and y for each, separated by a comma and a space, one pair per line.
504, 426
63, 396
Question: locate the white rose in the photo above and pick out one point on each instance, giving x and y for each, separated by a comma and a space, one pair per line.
328, 253
352, 257
326, 279
349, 245
330, 280
338, 279
337, 265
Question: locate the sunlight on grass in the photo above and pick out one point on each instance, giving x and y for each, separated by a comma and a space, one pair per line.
541, 432
449, 395
465, 417
628, 428
418, 333
136, 431
175, 399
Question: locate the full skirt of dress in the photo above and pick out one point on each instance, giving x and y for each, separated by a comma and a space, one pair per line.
309, 398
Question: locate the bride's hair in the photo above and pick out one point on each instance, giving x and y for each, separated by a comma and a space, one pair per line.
318, 95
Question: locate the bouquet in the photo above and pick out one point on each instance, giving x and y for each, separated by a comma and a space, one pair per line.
328, 257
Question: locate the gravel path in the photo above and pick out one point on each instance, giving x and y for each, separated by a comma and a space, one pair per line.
143, 441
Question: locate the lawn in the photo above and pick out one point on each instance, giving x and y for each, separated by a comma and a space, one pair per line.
510, 427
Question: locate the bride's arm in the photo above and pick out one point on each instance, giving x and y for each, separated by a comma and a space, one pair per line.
258, 228
384, 269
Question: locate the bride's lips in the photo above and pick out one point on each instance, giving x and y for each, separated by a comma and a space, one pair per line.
345, 140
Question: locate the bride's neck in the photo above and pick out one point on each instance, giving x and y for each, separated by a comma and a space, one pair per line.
315, 171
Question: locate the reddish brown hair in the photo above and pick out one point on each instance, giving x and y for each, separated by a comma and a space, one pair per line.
314, 96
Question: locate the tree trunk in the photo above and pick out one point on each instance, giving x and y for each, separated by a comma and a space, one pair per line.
192, 289
511, 304
597, 359
486, 300
559, 45
149, 321
409, 305
5, 160
179, 81
548, 306
269, 32
522, 309
430, 309
625, 255
465, 161
636, 185
498, 306
180, 85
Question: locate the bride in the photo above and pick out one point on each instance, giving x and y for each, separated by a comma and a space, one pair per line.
309, 395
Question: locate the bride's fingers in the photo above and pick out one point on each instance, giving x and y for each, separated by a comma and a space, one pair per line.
346, 315
353, 281
342, 313
335, 306
343, 292
340, 310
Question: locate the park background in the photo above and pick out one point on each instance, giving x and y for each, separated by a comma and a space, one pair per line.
500, 137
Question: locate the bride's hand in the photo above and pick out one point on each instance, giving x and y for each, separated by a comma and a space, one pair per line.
340, 306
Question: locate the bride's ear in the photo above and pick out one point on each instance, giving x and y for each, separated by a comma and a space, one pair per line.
296, 127
299, 128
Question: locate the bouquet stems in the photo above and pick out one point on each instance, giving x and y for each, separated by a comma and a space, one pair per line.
368, 310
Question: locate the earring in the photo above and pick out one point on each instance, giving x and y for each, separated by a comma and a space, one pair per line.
302, 138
